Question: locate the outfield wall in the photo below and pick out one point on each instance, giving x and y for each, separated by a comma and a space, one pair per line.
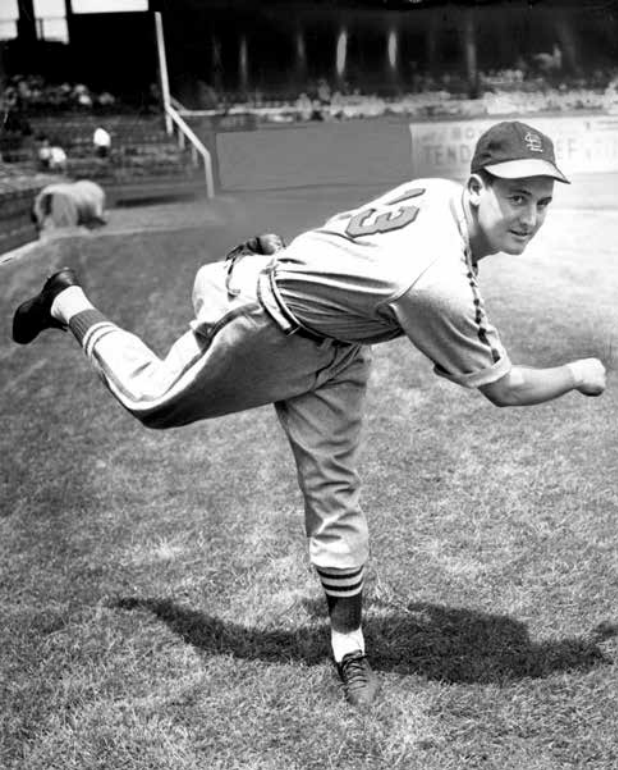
306, 154
387, 151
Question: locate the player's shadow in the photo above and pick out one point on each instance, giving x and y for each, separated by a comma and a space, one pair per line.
428, 640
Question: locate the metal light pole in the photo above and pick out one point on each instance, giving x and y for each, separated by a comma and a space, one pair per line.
163, 76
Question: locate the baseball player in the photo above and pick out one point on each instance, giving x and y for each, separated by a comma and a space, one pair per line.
294, 326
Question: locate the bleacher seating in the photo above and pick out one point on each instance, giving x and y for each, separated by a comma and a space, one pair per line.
144, 162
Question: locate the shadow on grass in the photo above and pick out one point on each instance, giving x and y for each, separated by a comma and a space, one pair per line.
428, 640
461, 645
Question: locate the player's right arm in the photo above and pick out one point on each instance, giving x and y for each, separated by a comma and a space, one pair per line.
526, 386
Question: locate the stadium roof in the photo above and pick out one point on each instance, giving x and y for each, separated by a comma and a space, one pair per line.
610, 5
399, 5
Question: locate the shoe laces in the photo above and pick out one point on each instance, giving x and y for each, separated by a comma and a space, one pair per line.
353, 670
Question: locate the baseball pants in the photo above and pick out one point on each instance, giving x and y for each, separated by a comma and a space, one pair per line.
242, 352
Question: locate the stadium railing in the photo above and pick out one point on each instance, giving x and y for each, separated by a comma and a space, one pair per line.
185, 134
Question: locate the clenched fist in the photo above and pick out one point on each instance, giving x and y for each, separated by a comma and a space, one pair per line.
588, 375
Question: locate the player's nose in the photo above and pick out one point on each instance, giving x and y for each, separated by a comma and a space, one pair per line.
529, 217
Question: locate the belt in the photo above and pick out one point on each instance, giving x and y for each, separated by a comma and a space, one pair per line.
273, 304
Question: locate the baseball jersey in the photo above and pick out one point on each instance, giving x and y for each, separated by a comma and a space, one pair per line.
398, 265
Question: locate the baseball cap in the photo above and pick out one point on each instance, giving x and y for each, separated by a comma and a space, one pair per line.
513, 150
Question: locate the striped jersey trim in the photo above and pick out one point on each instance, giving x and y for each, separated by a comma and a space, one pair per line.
480, 317
95, 334
189, 373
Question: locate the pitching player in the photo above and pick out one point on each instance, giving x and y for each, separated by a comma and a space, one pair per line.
294, 326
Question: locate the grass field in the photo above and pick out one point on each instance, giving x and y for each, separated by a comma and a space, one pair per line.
158, 608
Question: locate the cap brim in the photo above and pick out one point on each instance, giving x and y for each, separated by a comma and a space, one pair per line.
519, 169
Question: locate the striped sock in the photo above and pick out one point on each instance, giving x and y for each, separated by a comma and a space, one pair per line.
89, 326
344, 595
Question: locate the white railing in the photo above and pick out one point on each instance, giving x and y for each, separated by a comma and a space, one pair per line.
198, 150
172, 116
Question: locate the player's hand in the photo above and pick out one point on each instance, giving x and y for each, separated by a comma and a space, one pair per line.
589, 376
267, 243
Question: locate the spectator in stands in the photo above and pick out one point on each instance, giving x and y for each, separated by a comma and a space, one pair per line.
207, 97
51, 157
610, 97
57, 158
549, 63
304, 107
324, 93
44, 153
81, 95
106, 99
102, 142
14, 120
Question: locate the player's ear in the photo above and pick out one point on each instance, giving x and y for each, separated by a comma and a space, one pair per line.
475, 186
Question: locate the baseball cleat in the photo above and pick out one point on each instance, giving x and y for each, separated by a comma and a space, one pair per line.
360, 683
34, 315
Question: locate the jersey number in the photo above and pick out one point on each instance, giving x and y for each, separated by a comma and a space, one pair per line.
365, 223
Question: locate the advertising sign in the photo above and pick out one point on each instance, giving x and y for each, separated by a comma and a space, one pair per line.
587, 144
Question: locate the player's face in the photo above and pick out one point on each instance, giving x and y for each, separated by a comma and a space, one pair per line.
510, 213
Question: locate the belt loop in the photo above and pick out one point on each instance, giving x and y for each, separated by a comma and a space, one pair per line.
285, 319
269, 301
229, 267
290, 324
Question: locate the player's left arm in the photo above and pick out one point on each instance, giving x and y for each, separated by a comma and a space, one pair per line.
443, 315
446, 320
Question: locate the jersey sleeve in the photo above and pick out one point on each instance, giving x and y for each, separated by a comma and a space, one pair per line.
444, 316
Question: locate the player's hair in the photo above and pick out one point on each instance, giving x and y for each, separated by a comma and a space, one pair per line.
488, 179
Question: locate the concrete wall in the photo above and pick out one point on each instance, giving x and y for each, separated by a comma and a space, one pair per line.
300, 155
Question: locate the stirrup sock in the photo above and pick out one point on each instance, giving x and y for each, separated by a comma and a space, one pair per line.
89, 327
344, 595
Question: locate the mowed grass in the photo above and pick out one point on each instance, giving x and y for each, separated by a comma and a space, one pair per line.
158, 607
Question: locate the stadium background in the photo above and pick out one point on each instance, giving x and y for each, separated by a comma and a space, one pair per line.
333, 93
238, 47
